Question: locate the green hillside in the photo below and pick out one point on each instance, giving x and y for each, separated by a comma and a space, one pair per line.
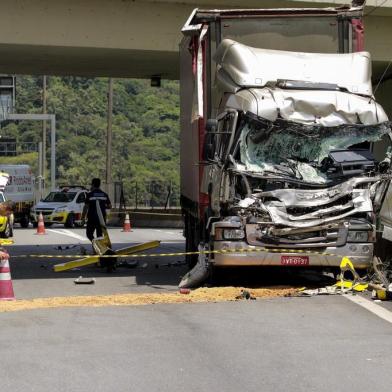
145, 131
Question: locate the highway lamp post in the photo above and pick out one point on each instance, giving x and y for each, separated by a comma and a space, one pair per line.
43, 163
109, 140
40, 171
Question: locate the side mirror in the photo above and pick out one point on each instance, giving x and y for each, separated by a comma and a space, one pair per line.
211, 125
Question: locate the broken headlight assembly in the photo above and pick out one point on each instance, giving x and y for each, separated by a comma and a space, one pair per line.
233, 234
359, 236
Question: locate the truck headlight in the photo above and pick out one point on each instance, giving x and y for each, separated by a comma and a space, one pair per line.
358, 236
233, 234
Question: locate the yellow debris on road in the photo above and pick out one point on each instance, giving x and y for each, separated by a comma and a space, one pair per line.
216, 294
6, 241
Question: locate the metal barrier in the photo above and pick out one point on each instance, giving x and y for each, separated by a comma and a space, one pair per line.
154, 194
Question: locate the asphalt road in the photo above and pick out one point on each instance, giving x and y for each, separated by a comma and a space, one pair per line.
284, 344
34, 277
299, 344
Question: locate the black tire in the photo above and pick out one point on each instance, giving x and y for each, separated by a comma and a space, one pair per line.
24, 221
35, 224
70, 222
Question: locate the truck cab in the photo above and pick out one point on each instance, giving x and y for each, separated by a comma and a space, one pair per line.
295, 164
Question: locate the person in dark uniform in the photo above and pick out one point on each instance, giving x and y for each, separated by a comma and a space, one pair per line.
97, 202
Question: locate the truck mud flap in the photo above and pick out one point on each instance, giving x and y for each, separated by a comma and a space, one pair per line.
198, 274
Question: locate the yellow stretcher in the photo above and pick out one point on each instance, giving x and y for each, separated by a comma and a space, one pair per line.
103, 247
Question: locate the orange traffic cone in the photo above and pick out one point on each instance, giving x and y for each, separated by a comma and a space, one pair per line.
6, 288
41, 225
127, 224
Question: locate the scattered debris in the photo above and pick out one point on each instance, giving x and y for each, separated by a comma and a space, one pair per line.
328, 290
382, 295
127, 264
245, 294
204, 294
348, 281
82, 280
59, 247
171, 264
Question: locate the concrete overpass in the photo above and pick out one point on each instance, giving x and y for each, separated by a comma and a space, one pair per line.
133, 38
128, 38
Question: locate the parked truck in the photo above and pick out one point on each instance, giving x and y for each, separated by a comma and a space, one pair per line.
285, 154
20, 190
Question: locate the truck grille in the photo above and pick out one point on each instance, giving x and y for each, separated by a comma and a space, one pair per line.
336, 236
47, 211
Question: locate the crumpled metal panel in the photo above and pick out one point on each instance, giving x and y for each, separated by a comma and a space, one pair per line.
320, 197
361, 202
254, 67
327, 108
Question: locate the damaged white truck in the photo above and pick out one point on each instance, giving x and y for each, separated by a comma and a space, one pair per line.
285, 154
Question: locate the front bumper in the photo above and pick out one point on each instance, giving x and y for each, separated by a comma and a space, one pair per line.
58, 217
361, 255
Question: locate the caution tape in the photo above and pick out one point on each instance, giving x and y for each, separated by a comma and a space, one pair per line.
203, 252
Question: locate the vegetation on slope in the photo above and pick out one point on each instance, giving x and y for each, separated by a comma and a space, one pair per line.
145, 131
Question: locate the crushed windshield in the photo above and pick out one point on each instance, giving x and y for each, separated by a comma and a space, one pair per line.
60, 197
300, 150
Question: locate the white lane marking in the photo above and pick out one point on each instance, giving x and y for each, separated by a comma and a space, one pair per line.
371, 307
69, 233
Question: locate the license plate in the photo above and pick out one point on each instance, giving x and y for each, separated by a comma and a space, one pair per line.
294, 260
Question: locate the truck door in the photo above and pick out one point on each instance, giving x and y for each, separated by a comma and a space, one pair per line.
216, 186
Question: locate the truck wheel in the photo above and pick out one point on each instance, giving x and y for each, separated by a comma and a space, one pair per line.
24, 221
70, 222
